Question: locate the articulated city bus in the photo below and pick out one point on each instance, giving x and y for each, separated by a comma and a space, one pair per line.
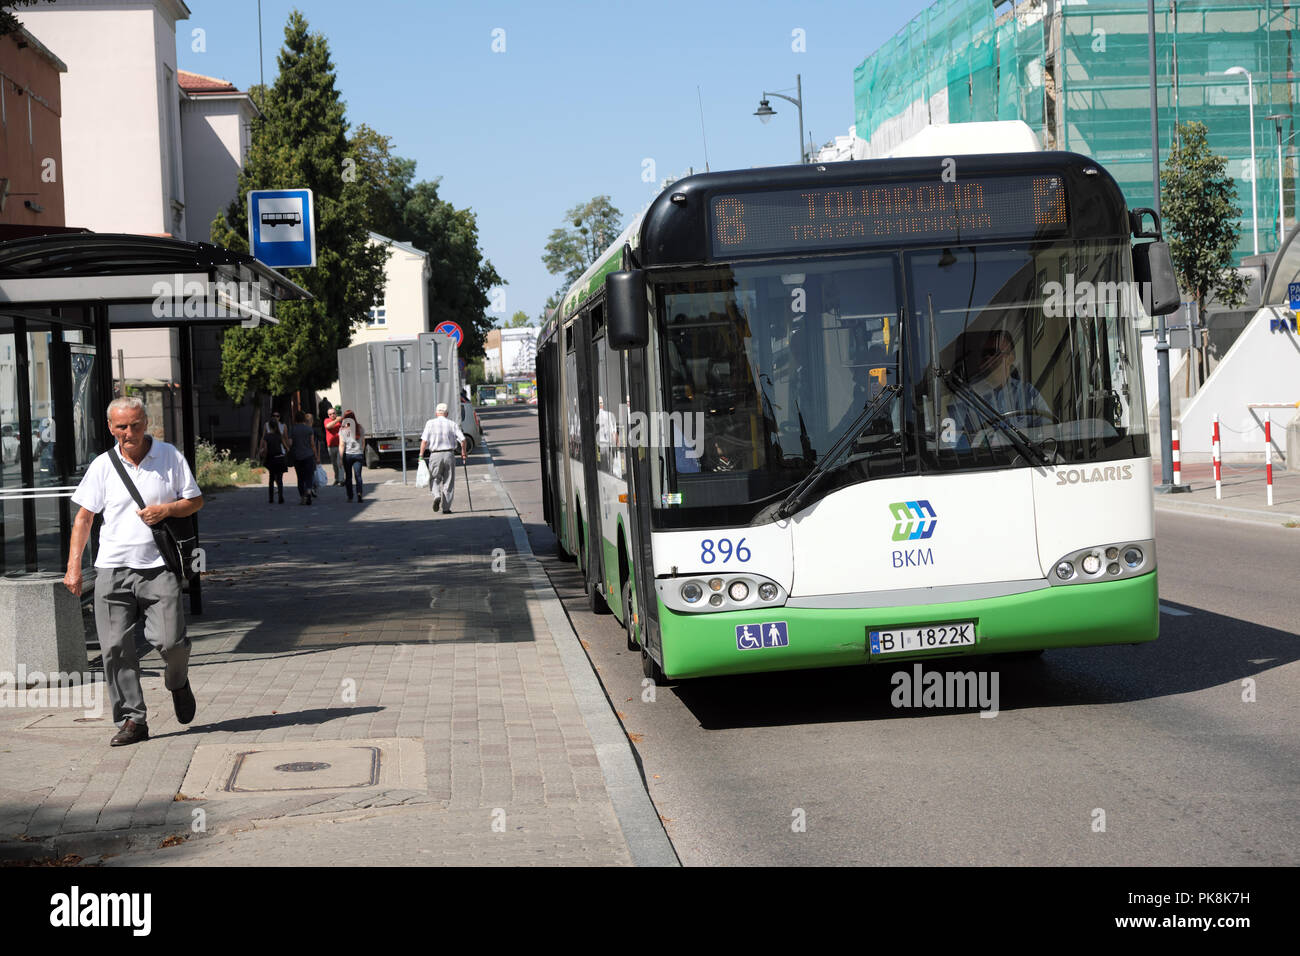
887, 410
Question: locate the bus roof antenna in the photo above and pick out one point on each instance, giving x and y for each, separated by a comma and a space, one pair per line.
703, 136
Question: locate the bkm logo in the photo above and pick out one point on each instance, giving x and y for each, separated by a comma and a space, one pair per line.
910, 518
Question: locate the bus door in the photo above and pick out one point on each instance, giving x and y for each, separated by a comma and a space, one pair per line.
571, 458
590, 323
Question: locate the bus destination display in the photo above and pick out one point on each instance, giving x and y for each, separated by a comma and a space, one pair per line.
827, 217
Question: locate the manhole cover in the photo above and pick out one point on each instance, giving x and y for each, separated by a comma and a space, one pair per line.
316, 766
348, 767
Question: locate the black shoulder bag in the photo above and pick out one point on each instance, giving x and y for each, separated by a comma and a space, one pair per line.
176, 538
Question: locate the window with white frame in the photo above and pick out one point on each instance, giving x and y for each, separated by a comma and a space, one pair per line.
378, 316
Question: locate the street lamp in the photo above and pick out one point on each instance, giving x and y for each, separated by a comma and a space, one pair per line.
765, 111
1277, 119
1254, 202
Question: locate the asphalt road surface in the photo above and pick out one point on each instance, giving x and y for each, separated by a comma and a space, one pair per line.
1145, 755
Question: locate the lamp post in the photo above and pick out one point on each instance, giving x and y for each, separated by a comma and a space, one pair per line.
1277, 119
1254, 201
765, 111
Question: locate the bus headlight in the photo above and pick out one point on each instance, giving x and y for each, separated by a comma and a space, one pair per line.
1104, 562
767, 591
738, 591
692, 592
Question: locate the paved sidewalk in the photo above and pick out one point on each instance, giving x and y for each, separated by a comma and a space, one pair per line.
377, 684
1244, 493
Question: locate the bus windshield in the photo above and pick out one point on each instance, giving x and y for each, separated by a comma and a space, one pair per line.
1004, 355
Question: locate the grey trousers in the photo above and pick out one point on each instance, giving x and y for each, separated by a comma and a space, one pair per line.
442, 475
336, 459
122, 597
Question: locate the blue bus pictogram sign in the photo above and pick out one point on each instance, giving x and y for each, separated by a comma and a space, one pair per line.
282, 227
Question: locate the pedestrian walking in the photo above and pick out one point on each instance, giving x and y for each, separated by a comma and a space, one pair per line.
332, 423
352, 439
274, 456
132, 581
303, 453
439, 438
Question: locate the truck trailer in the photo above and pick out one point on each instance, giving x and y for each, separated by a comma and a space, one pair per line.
394, 386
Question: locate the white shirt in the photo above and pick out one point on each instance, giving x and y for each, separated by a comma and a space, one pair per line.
442, 434
125, 541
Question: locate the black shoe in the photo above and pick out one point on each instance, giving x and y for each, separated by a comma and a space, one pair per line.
437, 504
183, 701
282, 499
131, 733
446, 511
349, 497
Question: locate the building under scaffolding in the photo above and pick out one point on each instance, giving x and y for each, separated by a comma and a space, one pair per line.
1076, 71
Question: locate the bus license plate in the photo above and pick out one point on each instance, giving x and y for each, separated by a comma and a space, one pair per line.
925, 638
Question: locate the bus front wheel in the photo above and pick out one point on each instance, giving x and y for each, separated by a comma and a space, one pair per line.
651, 669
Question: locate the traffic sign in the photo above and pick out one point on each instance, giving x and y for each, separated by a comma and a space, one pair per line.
1293, 294
282, 227
452, 329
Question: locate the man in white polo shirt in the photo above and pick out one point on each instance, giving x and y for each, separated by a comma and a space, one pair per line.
439, 438
131, 579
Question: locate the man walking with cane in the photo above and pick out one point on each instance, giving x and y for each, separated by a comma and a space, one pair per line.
439, 440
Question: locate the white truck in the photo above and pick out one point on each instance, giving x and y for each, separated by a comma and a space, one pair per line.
394, 386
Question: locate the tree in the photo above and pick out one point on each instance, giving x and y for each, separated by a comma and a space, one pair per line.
384, 178
517, 321
462, 278
1198, 201
8, 22
300, 139
569, 251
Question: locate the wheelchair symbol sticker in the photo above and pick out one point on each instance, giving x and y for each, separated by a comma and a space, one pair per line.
752, 636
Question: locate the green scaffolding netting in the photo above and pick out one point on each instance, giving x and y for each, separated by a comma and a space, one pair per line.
1076, 71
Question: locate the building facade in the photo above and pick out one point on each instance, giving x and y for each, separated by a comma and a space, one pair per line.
1076, 71
403, 312
31, 145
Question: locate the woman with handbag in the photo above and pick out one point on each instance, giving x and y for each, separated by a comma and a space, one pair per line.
303, 453
353, 440
273, 456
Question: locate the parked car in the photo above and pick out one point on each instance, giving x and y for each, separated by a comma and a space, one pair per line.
469, 424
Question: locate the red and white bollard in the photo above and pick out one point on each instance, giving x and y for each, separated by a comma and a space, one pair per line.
1268, 457
1178, 467
1218, 460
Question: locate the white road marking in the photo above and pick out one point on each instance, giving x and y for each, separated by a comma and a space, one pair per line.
1174, 612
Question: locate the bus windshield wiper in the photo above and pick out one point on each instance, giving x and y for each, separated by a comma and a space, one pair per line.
795, 498
1023, 443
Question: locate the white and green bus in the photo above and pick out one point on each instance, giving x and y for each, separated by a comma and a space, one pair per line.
827, 415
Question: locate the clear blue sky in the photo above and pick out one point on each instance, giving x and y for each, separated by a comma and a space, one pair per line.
581, 96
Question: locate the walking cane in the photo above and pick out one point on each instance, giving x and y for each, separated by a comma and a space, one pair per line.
469, 496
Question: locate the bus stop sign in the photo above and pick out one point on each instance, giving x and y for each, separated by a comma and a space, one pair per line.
1293, 294
282, 227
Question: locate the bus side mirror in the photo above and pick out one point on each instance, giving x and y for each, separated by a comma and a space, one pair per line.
1154, 270
629, 319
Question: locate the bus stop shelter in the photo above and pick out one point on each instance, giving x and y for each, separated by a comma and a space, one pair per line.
62, 292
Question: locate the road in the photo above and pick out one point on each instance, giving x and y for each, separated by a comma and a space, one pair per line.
1145, 755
